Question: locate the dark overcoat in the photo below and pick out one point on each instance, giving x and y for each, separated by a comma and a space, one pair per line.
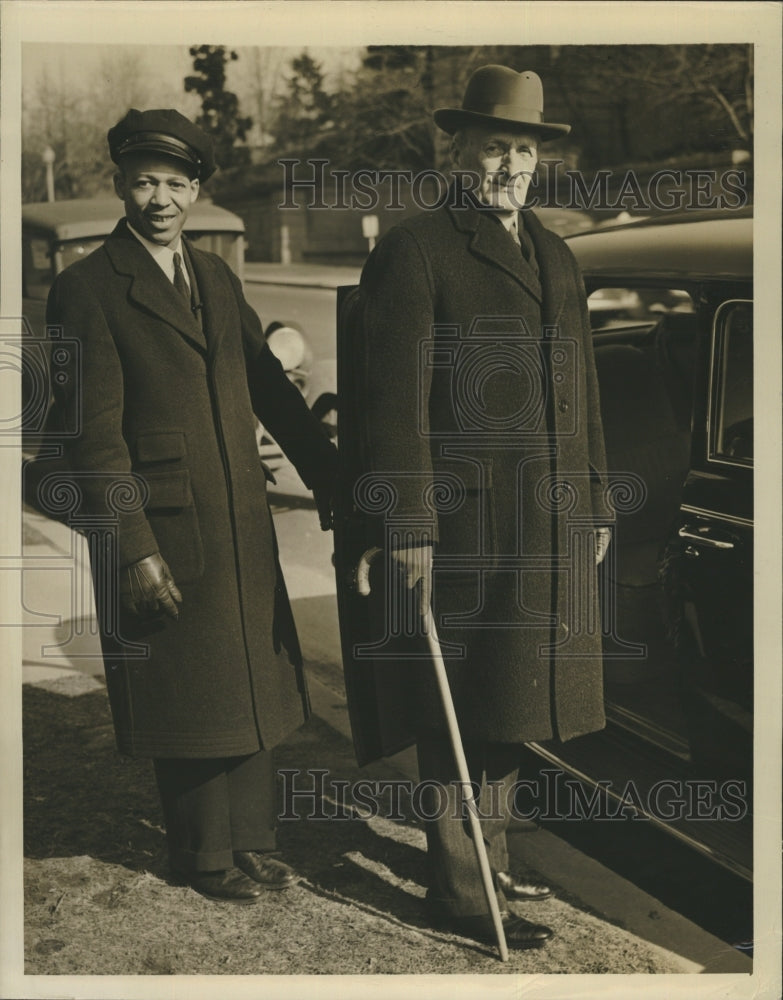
483, 414
166, 460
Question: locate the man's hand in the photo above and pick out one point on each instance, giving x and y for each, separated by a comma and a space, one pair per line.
147, 586
324, 502
602, 538
416, 564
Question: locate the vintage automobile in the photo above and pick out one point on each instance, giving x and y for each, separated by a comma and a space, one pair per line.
674, 357
676, 383
55, 234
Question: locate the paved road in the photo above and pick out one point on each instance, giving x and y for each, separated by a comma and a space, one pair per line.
312, 308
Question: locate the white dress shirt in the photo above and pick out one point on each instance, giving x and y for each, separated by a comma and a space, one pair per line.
163, 255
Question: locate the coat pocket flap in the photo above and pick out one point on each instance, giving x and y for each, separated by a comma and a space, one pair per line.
168, 489
466, 475
160, 446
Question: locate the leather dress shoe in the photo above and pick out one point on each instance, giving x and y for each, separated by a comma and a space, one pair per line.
517, 889
265, 871
520, 933
229, 885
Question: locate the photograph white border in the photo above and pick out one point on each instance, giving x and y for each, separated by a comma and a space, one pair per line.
338, 23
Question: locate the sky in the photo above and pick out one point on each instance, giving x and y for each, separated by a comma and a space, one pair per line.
165, 66
74, 64
102, 68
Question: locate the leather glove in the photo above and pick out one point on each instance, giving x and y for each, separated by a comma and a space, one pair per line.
324, 487
147, 587
416, 564
324, 502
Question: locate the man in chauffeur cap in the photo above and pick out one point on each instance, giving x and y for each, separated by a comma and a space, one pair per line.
496, 457
203, 667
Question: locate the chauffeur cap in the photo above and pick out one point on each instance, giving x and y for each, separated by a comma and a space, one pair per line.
497, 95
163, 131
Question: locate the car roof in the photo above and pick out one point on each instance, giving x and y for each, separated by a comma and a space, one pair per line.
688, 247
82, 218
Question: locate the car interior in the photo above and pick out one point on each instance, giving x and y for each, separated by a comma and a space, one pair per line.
645, 374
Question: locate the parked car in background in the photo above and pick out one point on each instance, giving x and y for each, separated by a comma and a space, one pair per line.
565, 221
55, 234
675, 368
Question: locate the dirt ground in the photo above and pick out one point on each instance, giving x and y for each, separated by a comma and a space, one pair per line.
98, 899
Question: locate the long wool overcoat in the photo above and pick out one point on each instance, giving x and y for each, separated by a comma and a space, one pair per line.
483, 413
166, 460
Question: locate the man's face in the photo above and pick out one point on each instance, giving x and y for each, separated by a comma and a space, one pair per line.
157, 194
503, 162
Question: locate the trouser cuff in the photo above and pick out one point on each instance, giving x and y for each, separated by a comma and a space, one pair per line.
187, 862
445, 907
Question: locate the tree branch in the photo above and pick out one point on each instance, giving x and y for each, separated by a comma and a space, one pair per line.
727, 107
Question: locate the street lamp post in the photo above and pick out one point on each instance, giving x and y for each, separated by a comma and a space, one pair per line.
370, 230
48, 158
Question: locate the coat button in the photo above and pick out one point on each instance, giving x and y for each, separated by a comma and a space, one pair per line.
562, 405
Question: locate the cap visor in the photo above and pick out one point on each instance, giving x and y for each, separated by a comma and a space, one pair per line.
164, 148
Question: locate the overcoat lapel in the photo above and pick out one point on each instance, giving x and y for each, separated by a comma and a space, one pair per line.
149, 288
197, 303
552, 285
489, 242
212, 291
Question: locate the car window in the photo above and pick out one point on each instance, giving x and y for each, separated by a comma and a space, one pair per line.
37, 262
74, 250
42, 262
40, 268
223, 244
731, 421
613, 307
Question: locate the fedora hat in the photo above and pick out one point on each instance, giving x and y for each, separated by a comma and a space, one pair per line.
497, 95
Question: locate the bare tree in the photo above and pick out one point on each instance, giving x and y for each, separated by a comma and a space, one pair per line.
73, 121
266, 83
718, 76
120, 83
636, 102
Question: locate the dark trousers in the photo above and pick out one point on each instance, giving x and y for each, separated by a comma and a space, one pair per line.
215, 807
453, 876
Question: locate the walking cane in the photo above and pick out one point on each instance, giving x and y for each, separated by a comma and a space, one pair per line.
362, 581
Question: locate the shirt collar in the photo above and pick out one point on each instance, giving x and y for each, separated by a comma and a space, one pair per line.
505, 219
163, 255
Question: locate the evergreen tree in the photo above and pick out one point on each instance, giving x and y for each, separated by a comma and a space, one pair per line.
220, 115
304, 112
388, 111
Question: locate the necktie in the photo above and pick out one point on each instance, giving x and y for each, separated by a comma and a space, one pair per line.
525, 244
514, 232
179, 278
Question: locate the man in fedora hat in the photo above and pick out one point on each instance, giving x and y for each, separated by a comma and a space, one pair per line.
477, 339
203, 667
